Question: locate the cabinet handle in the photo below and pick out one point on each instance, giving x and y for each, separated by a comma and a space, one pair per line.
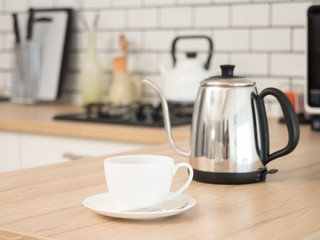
74, 156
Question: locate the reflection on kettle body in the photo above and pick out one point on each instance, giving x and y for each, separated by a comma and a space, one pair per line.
226, 140
225, 132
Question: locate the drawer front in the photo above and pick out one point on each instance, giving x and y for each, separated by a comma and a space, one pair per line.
38, 150
10, 151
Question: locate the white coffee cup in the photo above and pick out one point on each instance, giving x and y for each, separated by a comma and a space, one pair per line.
142, 181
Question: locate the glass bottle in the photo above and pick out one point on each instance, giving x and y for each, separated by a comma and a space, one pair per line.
91, 73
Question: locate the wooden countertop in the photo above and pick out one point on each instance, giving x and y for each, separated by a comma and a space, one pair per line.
47, 201
38, 119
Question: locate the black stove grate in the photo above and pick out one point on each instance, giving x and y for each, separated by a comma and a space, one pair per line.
137, 115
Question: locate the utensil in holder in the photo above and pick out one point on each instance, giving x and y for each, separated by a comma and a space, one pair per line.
26, 73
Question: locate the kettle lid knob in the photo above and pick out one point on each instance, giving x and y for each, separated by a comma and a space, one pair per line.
191, 54
227, 79
227, 70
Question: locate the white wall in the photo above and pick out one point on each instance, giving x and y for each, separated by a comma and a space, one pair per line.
264, 38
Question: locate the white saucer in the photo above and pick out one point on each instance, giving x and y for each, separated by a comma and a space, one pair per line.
104, 204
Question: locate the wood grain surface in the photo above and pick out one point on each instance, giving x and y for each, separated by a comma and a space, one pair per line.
47, 201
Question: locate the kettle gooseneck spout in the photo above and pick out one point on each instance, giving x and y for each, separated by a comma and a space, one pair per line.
166, 117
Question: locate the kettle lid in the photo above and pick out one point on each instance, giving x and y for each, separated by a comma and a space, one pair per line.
227, 79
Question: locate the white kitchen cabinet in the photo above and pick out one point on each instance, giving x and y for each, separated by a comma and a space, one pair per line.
22, 150
38, 150
10, 151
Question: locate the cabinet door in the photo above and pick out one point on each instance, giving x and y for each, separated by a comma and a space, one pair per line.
37, 150
9, 151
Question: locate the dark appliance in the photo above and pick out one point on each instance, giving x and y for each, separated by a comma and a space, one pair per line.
312, 93
137, 115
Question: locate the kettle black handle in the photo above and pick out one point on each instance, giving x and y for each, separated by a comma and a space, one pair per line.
291, 121
173, 49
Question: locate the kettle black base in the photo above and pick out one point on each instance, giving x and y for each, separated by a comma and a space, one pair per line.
230, 178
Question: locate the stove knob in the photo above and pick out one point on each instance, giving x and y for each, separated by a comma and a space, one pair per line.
157, 114
140, 113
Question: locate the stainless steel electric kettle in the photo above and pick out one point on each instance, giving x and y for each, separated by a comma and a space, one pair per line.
229, 133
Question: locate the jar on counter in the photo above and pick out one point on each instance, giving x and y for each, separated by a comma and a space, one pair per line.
91, 73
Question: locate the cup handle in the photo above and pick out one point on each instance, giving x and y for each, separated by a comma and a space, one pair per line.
176, 167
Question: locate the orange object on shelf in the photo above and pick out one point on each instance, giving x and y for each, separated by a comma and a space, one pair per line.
292, 98
119, 65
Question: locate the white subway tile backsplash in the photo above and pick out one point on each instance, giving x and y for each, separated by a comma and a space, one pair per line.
132, 62
230, 1
158, 2
289, 14
217, 60
148, 95
96, 4
273, 108
5, 62
6, 23
105, 41
9, 41
231, 40
158, 40
7, 77
280, 83
15, 5
299, 39
176, 17
112, 19
288, 64
297, 85
275, 0
41, 3
164, 59
272, 105
265, 39
250, 15
271, 39
213, 16
66, 3
192, 2
126, 3
2, 42
2, 83
145, 62
106, 60
142, 18
250, 63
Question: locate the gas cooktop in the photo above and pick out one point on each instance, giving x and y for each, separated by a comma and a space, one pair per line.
136, 115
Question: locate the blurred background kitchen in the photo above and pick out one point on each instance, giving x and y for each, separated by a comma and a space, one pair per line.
265, 39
